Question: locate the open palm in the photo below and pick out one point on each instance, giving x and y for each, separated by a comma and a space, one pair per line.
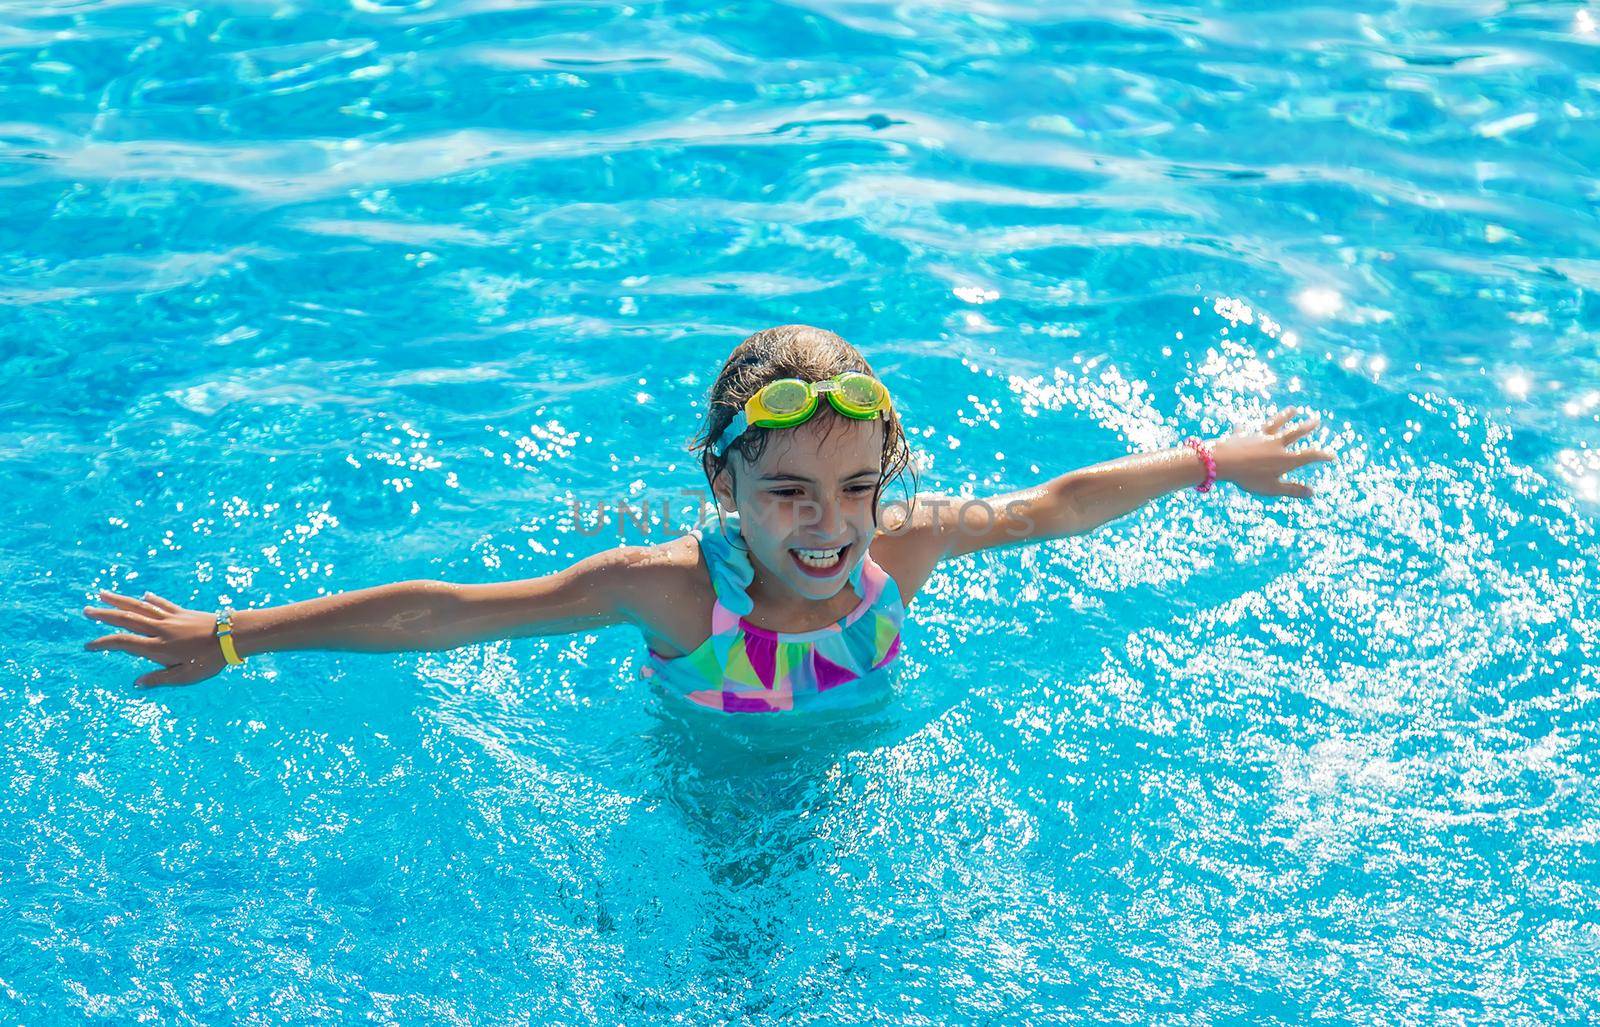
1256, 461
180, 640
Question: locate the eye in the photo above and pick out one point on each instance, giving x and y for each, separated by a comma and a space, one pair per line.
860, 490
785, 493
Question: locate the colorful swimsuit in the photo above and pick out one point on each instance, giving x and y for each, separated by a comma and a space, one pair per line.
742, 668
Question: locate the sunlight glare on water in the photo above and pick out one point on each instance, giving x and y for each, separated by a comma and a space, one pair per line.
300, 299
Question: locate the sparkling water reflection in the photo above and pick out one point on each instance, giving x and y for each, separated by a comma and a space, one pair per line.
307, 298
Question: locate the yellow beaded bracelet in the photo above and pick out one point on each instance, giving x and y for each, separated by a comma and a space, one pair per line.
225, 636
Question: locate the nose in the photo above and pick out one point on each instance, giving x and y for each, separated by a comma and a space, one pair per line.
830, 519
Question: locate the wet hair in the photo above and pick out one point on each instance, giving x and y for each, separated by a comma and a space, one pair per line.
790, 351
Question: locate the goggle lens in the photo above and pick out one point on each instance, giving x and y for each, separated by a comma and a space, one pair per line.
860, 392
787, 397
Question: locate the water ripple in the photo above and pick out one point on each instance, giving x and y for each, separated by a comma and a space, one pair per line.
305, 299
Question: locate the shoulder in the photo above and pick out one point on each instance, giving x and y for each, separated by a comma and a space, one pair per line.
650, 579
912, 540
665, 590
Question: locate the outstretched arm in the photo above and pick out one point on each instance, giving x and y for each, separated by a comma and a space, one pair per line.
604, 589
942, 527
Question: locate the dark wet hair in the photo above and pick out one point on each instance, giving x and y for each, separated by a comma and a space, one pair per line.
789, 351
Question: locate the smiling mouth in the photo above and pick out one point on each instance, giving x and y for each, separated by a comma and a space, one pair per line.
820, 563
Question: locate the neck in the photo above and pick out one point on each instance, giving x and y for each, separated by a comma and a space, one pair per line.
773, 596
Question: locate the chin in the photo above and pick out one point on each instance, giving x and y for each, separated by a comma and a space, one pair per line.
822, 590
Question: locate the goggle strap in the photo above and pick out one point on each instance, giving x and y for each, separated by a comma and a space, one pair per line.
730, 434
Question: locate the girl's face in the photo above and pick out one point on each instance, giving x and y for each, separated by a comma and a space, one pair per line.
806, 506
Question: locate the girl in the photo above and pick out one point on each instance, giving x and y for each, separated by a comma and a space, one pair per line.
790, 597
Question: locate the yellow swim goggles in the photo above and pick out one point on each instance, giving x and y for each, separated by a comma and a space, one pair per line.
791, 401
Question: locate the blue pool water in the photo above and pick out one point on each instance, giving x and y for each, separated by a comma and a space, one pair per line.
302, 298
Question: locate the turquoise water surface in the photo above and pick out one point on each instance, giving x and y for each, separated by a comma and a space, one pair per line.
303, 298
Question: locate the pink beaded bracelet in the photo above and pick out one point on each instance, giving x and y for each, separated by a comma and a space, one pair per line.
1211, 464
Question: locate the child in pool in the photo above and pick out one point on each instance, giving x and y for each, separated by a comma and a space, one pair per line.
775, 604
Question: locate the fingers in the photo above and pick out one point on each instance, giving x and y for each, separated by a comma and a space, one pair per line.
1313, 455
128, 603
1278, 420
148, 614
138, 645
165, 604
118, 618
186, 672
1297, 490
1302, 429
1291, 489
107, 642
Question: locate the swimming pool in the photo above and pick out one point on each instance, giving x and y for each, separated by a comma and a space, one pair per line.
301, 299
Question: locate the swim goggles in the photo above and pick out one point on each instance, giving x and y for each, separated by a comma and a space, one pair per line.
791, 401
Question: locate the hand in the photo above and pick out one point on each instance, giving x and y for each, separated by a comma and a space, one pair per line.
182, 641
1257, 461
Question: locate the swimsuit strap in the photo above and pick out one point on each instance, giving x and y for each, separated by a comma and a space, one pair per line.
728, 560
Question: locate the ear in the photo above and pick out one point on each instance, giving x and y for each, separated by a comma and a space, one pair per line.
722, 486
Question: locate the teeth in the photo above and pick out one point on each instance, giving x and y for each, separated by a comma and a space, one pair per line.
820, 558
